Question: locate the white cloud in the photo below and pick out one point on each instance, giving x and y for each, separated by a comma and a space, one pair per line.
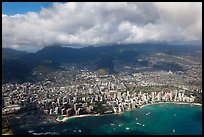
104, 23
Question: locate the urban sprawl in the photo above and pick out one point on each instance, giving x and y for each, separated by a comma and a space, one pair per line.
86, 92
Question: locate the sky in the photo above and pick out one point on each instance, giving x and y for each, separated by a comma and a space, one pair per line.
33, 25
12, 8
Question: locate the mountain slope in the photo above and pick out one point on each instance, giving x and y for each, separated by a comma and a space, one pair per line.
12, 53
19, 66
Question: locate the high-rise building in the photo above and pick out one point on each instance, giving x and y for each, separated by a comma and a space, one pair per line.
75, 99
129, 105
119, 108
179, 96
114, 96
128, 93
75, 107
56, 110
83, 98
119, 95
63, 111
50, 111
69, 100
64, 100
112, 86
152, 96
53, 104
159, 96
175, 97
133, 104
101, 98
69, 112
58, 102
78, 112
46, 105
96, 98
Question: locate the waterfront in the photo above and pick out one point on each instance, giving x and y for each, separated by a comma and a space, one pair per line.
181, 119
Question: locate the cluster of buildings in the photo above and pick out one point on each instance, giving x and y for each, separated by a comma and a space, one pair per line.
85, 93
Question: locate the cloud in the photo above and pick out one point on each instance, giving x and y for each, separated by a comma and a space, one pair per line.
103, 23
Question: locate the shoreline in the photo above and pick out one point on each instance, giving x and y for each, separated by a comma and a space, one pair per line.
9, 132
75, 116
197, 104
86, 115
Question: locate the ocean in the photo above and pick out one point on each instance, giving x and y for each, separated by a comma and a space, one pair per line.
155, 119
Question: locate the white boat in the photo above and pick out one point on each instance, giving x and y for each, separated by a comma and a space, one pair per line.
148, 113
138, 123
120, 125
37, 133
127, 128
31, 131
64, 130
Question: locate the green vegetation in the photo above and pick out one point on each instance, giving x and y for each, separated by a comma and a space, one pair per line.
6, 129
42, 69
99, 108
198, 98
130, 88
102, 71
151, 88
60, 117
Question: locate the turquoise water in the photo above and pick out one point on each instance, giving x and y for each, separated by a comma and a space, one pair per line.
157, 119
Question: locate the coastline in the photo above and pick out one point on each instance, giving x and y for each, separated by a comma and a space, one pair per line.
86, 115
198, 104
9, 132
75, 116
63, 124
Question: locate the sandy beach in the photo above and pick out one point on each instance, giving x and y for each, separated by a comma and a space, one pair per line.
76, 116
171, 103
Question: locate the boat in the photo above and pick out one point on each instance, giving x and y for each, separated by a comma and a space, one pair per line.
31, 131
148, 113
120, 125
37, 133
138, 123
